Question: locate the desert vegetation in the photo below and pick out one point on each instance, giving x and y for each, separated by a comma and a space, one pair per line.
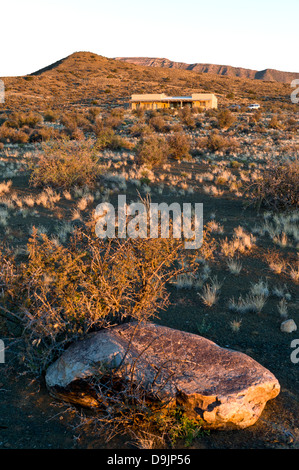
59, 282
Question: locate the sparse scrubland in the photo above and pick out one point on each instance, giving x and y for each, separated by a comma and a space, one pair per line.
58, 281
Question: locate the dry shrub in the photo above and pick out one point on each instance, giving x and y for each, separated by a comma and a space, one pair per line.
50, 116
93, 113
215, 142
71, 129
107, 139
140, 129
158, 123
118, 112
43, 134
118, 143
103, 134
275, 261
17, 120
151, 151
225, 119
112, 121
274, 123
128, 411
66, 163
20, 136
179, 146
62, 292
278, 187
10, 135
76, 123
186, 117
140, 113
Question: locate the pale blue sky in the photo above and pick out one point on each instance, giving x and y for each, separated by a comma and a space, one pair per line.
254, 34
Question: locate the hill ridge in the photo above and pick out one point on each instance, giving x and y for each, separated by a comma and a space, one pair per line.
216, 69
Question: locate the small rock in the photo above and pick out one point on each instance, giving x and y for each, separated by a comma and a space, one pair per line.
288, 326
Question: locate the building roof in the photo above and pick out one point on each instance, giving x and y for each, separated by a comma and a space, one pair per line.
178, 98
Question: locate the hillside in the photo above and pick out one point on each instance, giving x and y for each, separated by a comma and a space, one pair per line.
87, 79
223, 70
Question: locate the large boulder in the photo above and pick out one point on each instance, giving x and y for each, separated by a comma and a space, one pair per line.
222, 388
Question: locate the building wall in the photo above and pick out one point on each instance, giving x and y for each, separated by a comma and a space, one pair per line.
157, 105
208, 104
149, 97
199, 101
206, 100
202, 104
149, 105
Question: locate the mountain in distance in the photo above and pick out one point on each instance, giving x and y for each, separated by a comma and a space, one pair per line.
225, 70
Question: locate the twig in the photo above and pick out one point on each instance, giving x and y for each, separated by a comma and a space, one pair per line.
6, 312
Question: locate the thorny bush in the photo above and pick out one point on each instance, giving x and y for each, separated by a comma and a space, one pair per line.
60, 293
